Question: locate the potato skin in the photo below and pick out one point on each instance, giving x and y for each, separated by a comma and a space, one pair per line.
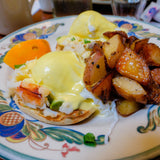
151, 53
131, 42
95, 69
133, 66
113, 49
127, 107
155, 73
111, 34
130, 89
153, 93
103, 88
139, 44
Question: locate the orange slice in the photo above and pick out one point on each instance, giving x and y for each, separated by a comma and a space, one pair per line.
25, 51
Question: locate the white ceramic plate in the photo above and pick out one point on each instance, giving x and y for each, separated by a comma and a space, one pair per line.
21, 137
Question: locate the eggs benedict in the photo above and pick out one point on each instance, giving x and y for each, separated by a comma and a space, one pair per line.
49, 89
91, 24
87, 28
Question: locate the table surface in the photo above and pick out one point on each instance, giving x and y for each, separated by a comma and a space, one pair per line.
39, 15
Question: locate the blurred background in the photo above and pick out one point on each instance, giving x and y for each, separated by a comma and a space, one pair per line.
104, 7
144, 10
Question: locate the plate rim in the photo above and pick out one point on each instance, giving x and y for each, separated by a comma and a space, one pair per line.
2, 146
74, 16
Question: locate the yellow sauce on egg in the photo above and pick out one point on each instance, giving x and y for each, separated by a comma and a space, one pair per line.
62, 73
91, 24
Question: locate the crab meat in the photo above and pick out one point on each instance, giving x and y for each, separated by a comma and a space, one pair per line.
32, 94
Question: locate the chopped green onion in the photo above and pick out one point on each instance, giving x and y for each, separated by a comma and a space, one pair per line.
58, 37
89, 139
18, 66
86, 41
55, 105
50, 98
73, 38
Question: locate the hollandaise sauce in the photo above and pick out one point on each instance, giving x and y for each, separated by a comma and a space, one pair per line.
91, 24
62, 73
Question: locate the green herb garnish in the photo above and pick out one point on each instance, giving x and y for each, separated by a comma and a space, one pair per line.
18, 66
73, 39
89, 139
58, 37
86, 41
55, 105
50, 98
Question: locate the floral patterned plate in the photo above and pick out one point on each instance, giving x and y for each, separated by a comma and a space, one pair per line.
22, 137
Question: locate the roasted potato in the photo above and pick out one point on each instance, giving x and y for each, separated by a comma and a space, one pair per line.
127, 107
97, 47
124, 68
131, 42
139, 44
111, 34
155, 96
155, 73
153, 93
129, 89
59, 47
151, 53
103, 88
133, 66
113, 49
95, 69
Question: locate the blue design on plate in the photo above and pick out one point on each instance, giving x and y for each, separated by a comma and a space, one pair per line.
153, 117
36, 33
135, 29
10, 123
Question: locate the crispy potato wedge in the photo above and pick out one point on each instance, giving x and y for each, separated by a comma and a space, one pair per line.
139, 44
133, 66
127, 107
151, 53
113, 49
103, 88
95, 69
155, 73
129, 89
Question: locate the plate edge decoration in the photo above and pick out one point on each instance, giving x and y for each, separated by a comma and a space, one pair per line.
24, 128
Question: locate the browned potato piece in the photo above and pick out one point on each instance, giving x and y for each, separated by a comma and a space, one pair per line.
131, 42
154, 94
113, 49
59, 47
102, 89
151, 53
127, 107
130, 89
95, 69
97, 47
155, 73
139, 44
111, 34
133, 66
